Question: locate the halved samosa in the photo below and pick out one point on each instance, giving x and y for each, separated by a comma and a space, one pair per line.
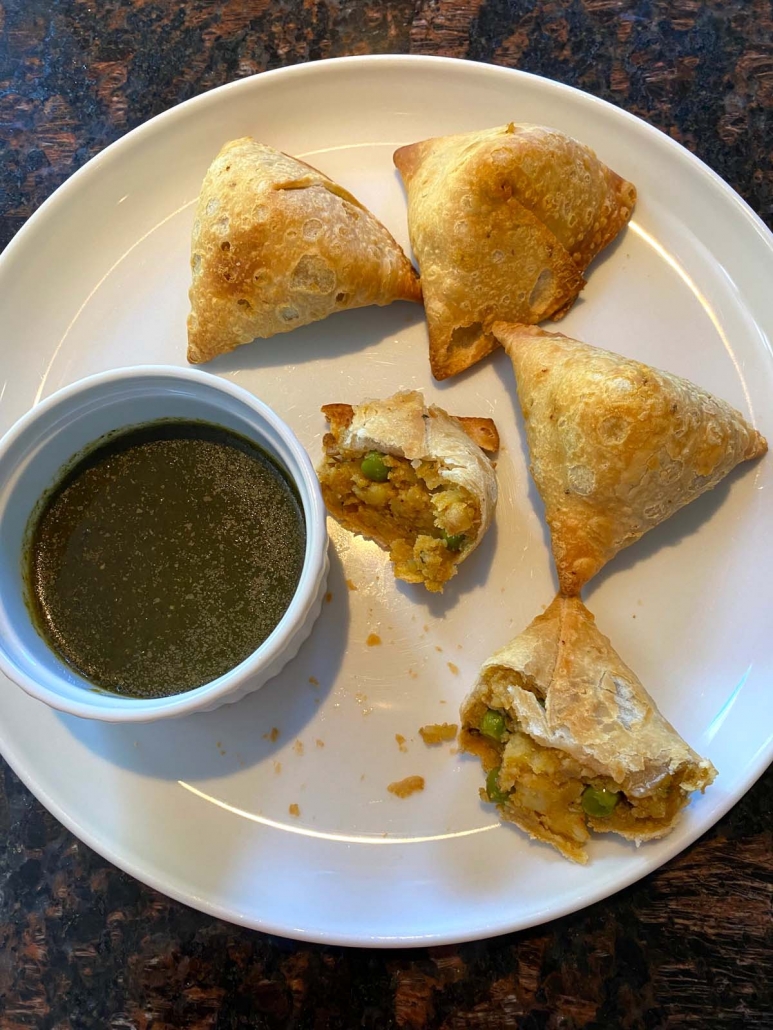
276, 245
572, 741
412, 478
616, 446
503, 223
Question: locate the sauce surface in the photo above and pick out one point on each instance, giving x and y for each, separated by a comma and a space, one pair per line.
164, 557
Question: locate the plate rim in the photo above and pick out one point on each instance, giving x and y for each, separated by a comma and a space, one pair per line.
754, 768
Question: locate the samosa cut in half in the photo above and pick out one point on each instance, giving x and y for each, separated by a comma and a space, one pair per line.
414, 479
503, 223
572, 742
276, 245
616, 446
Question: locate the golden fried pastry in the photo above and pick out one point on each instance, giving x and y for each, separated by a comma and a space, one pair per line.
572, 741
503, 223
616, 446
276, 245
413, 479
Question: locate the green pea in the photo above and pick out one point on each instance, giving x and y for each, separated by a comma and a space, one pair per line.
495, 795
373, 467
493, 724
454, 542
598, 802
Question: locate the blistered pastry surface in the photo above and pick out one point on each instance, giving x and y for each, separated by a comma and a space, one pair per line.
503, 223
276, 245
616, 446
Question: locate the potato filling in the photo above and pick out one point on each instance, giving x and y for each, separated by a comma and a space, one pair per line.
542, 786
425, 523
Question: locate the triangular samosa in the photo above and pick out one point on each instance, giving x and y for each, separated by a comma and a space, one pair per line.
503, 223
616, 446
572, 741
276, 245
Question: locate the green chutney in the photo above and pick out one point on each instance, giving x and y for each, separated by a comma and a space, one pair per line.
164, 557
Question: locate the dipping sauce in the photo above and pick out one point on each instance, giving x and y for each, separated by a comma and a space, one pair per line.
165, 556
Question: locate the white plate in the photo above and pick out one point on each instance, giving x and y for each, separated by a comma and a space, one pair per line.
199, 808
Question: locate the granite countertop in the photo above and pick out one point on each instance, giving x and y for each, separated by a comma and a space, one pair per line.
85, 946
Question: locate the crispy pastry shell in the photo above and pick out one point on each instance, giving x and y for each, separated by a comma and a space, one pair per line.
616, 446
276, 245
503, 223
569, 691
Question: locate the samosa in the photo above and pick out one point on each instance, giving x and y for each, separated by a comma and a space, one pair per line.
503, 223
276, 245
414, 479
616, 446
572, 741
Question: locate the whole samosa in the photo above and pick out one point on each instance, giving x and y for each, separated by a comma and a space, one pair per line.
276, 245
616, 446
503, 223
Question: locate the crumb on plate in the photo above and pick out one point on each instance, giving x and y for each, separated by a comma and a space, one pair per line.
438, 733
294, 810
404, 788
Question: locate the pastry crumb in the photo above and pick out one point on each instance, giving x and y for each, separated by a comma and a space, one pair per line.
373, 640
352, 586
454, 668
298, 747
404, 788
277, 768
438, 733
314, 681
272, 735
438, 649
413, 674
426, 628
400, 741
361, 699
294, 810
328, 597
319, 743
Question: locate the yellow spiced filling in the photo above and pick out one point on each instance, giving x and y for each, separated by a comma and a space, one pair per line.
425, 523
548, 792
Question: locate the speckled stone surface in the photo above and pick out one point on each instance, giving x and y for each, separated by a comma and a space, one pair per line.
84, 946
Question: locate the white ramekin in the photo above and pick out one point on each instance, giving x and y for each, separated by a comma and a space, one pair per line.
31, 455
